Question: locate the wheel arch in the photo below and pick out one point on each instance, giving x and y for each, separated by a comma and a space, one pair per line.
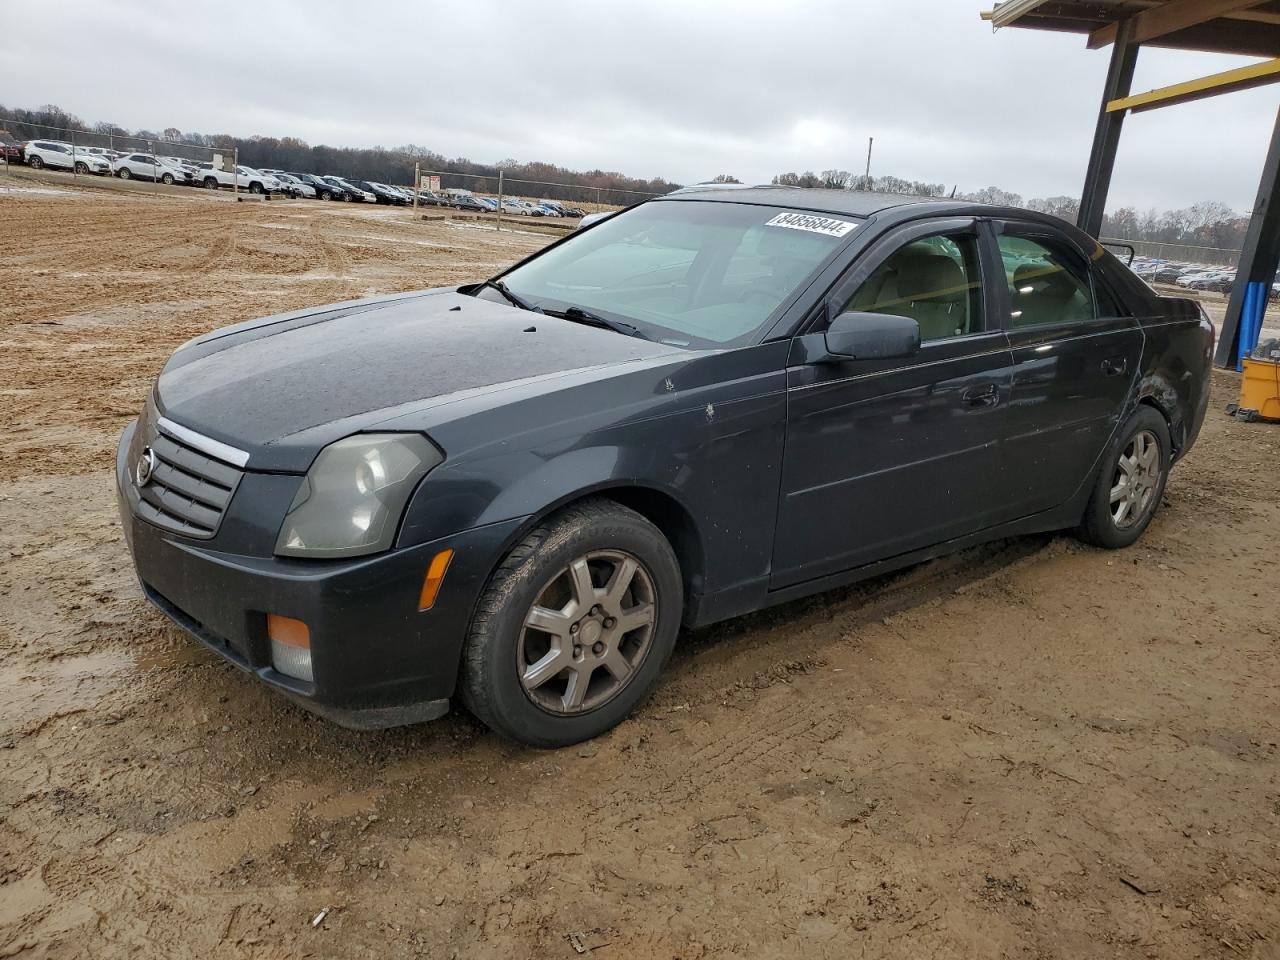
1156, 391
660, 507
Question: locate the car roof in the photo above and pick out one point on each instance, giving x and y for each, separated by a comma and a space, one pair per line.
852, 202
892, 206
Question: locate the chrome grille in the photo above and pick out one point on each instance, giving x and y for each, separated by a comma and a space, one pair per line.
188, 491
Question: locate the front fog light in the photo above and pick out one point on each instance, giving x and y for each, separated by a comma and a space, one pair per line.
290, 646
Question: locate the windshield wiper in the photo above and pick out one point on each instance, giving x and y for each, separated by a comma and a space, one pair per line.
513, 299
578, 315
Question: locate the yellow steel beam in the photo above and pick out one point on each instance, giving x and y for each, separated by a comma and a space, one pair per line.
1242, 78
1169, 17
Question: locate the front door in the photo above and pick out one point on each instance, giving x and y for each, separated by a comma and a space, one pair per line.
888, 456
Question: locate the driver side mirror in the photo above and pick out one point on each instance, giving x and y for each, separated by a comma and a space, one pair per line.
872, 336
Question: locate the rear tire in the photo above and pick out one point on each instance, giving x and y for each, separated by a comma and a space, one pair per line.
210, 183
125, 174
35, 162
1130, 482
604, 587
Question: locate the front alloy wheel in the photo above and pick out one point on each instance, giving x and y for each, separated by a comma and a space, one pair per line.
573, 627
587, 632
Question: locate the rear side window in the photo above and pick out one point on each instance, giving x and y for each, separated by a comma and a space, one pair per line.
1048, 283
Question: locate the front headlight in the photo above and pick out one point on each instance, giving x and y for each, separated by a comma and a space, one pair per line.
351, 499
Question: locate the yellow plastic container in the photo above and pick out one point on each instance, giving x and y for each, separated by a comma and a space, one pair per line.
1260, 389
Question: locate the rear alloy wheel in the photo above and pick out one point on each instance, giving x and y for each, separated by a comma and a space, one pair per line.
1130, 483
574, 627
36, 162
210, 183
125, 173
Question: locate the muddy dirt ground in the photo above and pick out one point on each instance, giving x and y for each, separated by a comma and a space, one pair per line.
1035, 749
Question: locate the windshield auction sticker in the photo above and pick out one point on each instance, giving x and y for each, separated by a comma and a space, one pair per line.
813, 223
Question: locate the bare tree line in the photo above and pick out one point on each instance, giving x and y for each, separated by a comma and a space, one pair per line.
1205, 224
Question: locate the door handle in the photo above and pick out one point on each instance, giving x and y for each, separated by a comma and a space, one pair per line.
981, 395
1115, 366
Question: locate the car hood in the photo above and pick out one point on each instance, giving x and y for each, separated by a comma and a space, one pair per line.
282, 387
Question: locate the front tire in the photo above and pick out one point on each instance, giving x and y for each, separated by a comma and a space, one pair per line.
167, 179
574, 627
1130, 483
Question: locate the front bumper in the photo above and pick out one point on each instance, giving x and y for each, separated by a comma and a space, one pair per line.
377, 660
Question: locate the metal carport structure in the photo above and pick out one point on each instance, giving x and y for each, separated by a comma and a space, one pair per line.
1242, 27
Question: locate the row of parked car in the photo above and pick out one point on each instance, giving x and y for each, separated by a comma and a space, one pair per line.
1192, 276
56, 154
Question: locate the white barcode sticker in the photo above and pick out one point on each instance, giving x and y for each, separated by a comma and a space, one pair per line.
813, 223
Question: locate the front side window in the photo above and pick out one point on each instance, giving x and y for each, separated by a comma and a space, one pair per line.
936, 281
688, 273
1048, 284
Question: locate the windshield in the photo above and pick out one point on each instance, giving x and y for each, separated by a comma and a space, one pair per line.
688, 273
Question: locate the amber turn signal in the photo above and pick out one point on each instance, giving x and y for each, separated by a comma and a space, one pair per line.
290, 632
435, 576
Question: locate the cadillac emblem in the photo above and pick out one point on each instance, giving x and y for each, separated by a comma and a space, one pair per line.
145, 468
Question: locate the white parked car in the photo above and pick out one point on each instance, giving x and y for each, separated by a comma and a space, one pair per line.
1188, 278
143, 166
62, 156
187, 166
246, 178
101, 153
518, 207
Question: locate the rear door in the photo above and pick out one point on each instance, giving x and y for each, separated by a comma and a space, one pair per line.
1076, 357
887, 456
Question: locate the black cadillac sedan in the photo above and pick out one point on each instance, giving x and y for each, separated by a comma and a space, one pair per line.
516, 492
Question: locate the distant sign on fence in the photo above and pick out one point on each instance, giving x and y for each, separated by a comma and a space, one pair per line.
432, 184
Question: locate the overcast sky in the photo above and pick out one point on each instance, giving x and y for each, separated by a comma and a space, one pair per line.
673, 88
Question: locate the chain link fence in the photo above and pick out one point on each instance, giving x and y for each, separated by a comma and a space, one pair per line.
158, 162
